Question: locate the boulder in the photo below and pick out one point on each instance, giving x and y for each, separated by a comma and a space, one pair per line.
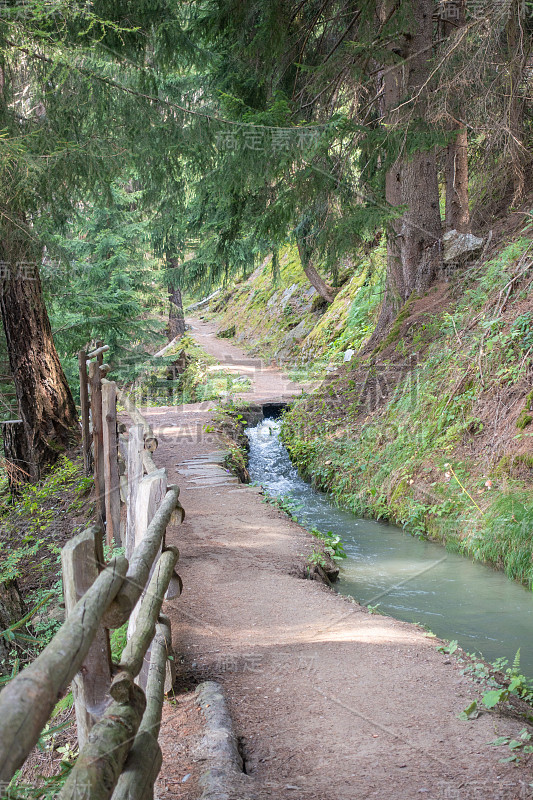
456, 245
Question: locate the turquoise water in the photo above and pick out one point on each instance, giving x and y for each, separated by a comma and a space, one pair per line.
404, 576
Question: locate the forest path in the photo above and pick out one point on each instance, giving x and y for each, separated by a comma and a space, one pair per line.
268, 383
330, 702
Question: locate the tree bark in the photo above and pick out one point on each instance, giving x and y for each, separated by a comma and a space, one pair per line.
421, 231
456, 170
413, 250
324, 289
16, 454
176, 317
414, 257
45, 402
517, 57
11, 610
457, 214
392, 90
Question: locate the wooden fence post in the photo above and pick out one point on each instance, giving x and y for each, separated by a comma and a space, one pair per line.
100, 356
95, 382
151, 491
111, 476
91, 684
135, 473
84, 404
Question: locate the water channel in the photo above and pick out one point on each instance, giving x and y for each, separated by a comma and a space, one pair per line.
406, 577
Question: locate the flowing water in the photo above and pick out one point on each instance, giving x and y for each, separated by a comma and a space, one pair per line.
404, 576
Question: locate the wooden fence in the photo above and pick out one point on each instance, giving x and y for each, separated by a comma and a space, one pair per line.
118, 706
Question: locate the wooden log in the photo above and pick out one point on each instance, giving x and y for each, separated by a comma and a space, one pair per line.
124, 493
101, 761
141, 562
91, 684
179, 511
28, 700
123, 442
169, 676
111, 476
144, 760
155, 688
148, 462
141, 769
151, 492
139, 643
175, 587
99, 350
84, 406
95, 384
150, 441
135, 474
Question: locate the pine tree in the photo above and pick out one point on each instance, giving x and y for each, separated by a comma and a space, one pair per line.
53, 57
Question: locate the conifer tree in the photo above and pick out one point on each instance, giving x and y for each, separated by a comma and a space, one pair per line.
56, 58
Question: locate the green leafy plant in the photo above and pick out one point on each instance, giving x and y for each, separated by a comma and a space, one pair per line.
119, 637
448, 649
518, 747
14, 632
517, 684
333, 543
285, 502
316, 558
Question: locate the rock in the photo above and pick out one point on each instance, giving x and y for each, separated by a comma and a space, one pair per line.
295, 335
287, 294
457, 244
348, 354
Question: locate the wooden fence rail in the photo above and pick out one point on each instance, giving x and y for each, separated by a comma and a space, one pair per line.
118, 706
28, 700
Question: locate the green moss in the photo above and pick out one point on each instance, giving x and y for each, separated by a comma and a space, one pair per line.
503, 467
524, 419
319, 304
227, 333
512, 463
529, 401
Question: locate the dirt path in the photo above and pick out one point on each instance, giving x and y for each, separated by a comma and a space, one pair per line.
330, 701
268, 382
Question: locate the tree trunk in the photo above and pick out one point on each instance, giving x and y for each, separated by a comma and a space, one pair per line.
517, 56
324, 289
413, 253
414, 256
11, 610
176, 317
456, 170
46, 407
457, 214
421, 232
17, 458
394, 292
